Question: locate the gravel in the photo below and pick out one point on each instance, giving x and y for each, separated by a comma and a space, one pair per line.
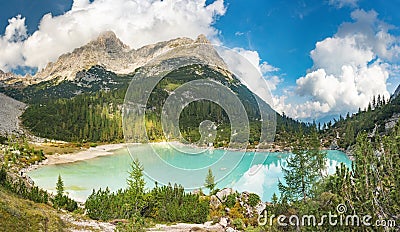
10, 110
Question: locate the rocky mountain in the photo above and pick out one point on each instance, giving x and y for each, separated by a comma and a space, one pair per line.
110, 53
396, 93
10, 110
8, 78
79, 96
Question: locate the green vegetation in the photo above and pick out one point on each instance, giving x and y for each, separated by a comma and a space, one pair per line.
304, 168
18, 153
84, 118
254, 199
21, 188
162, 204
94, 80
371, 187
95, 114
375, 115
18, 214
210, 182
62, 201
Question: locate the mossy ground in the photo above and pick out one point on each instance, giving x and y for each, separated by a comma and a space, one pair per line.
17, 214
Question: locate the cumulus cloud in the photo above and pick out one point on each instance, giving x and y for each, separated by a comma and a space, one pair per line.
259, 76
349, 68
266, 70
136, 23
11, 43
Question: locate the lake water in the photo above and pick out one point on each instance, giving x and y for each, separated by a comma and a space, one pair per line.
243, 171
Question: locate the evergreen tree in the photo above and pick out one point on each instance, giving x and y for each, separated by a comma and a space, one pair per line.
304, 168
378, 101
62, 201
210, 181
136, 187
374, 103
60, 186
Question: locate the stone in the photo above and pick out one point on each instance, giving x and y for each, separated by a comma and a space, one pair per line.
224, 193
208, 224
260, 207
223, 221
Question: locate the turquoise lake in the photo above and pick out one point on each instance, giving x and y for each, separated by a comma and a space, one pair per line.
243, 171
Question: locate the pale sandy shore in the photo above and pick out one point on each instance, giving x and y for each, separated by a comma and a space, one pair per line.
90, 153
93, 152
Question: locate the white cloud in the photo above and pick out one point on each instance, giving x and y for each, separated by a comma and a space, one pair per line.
11, 43
16, 29
349, 68
238, 33
343, 3
267, 71
257, 75
136, 23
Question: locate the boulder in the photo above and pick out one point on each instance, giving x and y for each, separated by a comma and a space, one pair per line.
224, 193
260, 207
223, 222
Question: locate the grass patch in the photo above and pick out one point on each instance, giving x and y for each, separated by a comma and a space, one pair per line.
17, 214
53, 148
172, 86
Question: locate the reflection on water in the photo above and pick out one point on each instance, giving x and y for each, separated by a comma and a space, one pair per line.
258, 173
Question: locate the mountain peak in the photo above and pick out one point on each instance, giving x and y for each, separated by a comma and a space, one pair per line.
108, 51
202, 39
108, 41
107, 35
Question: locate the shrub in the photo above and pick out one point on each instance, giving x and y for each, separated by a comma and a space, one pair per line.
238, 224
253, 200
93, 144
230, 201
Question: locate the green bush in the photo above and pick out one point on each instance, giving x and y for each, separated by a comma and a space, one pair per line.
230, 201
93, 144
238, 224
2, 139
253, 200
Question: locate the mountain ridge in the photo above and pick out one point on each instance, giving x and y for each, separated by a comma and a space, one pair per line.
108, 51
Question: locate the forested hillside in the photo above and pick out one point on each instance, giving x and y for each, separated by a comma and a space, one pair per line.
92, 80
379, 117
91, 110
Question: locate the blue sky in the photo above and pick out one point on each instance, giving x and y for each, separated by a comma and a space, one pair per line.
284, 32
358, 52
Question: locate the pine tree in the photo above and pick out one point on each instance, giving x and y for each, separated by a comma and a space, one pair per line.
304, 168
60, 186
59, 199
210, 181
136, 187
373, 103
378, 101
